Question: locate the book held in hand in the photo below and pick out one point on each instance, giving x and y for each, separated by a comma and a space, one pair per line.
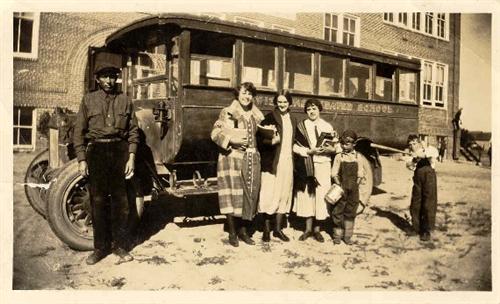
266, 131
326, 139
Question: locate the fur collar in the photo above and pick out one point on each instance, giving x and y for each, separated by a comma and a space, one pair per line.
236, 111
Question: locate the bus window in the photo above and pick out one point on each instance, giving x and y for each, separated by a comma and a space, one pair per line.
211, 63
150, 63
384, 82
360, 80
147, 71
407, 86
259, 65
299, 71
331, 76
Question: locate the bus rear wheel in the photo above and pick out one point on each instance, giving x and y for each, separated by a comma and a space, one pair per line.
35, 180
366, 186
68, 208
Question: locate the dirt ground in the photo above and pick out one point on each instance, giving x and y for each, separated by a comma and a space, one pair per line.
194, 255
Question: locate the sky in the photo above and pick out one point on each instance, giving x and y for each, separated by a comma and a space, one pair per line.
475, 72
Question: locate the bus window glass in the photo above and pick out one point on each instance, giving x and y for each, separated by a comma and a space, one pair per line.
150, 90
407, 86
298, 71
360, 80
384, 82
147, 72
331, 77
150, 63
211, 63
259, 65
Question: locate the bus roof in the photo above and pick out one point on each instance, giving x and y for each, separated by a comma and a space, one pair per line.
134, 34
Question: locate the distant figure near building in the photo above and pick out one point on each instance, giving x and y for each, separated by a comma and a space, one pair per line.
442, 149
489, 154
456, 121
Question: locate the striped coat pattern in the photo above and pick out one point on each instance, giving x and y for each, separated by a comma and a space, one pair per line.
238, 172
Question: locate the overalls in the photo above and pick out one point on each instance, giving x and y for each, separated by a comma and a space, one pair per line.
346, 207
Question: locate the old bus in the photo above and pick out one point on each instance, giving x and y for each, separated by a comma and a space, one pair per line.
179, 71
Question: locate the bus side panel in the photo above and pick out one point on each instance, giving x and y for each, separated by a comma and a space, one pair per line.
163, 149
389, 131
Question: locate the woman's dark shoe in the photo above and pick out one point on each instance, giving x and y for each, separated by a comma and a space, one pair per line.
280, 235
318, 237
95, 257
233, 240
245, 238
266, 237
305, 235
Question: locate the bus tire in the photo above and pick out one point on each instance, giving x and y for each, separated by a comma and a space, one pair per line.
68, 208
366, 186
37, 174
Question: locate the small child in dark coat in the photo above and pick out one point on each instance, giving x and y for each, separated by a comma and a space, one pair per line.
348, 173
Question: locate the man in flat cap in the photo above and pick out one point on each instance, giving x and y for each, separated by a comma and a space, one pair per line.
105, 139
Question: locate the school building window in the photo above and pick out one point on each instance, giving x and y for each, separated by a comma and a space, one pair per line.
427, 23
25, 38
389, 17
434, 84
24, 124
403, 19
341, 28
415, 21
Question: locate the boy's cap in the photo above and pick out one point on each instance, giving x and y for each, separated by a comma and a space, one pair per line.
107, 63
106, 69
349, 134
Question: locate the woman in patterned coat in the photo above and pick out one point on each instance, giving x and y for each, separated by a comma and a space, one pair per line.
238, 166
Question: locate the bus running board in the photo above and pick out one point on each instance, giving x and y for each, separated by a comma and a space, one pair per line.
196, 186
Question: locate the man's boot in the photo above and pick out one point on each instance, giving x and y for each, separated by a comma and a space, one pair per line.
349, 230
96, 256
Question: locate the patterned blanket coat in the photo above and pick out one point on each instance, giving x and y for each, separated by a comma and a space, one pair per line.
238, 172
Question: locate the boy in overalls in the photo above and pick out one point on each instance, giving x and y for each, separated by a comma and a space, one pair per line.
348, 173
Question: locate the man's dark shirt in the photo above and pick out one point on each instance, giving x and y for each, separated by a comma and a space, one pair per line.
103, 115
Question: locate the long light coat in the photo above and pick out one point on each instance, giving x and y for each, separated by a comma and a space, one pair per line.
238, 172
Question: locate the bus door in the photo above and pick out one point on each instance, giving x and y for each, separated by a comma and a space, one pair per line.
151, 82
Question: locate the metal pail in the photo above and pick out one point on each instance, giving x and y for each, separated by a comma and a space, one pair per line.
334, 194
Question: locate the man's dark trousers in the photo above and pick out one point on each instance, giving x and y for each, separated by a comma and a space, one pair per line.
108, 194
424, 199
